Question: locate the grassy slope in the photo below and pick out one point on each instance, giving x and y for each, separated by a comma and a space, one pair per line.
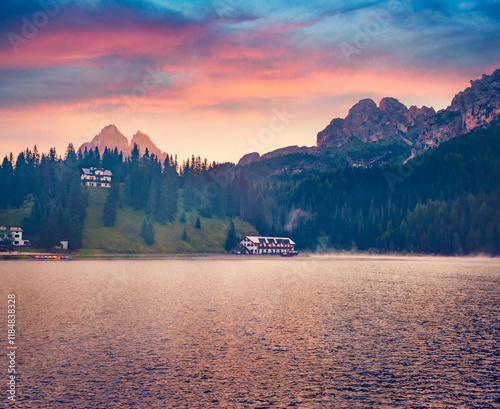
14, 217
125, 236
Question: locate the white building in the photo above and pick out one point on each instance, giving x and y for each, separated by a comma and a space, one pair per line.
17, 234
63, 245
96, 177
266, 245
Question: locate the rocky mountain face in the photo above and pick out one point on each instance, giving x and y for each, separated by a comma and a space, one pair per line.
109, 137
112, 138
477, 107
143, 141
249, 158
369, 123
372, 134
369, 135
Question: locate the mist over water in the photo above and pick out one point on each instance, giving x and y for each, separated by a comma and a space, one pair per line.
315, 332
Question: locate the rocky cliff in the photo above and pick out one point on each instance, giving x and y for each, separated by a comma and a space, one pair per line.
390, 120
369, 135
477, 107
374, 134
112, 138
143, 141
109, 137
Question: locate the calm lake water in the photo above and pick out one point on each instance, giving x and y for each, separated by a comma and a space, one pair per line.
316, 332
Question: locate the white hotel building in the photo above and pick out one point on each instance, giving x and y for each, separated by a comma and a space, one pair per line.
96, 177
266, 245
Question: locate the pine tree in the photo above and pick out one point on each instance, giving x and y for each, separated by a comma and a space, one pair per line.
231, 239
152, 204
75, 233
162, 208
148, 232
50, 235
185, 237
76, 199
183, 218
6, 183
456, 246
198, 223
70, 159
20, 181
134, 155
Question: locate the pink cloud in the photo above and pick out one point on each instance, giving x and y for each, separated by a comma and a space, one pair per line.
220, 83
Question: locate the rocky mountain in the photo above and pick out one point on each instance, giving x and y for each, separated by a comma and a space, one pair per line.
477, 107
109, 137
112, 138
382, 134
143, 141
369, 123
249, 158
369, 135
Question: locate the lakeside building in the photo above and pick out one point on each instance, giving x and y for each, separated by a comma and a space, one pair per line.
96, 177
17, 235
266, 245
63, 245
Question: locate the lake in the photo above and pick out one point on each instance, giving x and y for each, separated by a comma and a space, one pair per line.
307, 332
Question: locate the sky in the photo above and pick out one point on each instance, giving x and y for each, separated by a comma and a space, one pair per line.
223, 78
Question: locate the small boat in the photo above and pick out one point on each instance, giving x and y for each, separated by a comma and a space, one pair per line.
53, 257
290, 254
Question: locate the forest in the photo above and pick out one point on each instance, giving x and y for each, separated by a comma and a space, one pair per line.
445, 201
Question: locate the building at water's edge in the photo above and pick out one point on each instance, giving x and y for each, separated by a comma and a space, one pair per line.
266, 245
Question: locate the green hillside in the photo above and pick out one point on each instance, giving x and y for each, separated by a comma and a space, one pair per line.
125, 236
446, 201
14, 217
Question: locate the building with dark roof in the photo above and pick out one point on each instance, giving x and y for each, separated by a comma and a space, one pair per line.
266, 245
96, 177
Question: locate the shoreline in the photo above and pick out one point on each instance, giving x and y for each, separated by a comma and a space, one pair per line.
16, 255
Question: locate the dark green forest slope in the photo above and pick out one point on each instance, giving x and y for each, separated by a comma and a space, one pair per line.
446, 201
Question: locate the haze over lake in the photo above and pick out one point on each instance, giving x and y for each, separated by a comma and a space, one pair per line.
308, 332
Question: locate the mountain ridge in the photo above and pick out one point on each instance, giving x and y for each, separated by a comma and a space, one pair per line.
369, 135
112, 138
392, 123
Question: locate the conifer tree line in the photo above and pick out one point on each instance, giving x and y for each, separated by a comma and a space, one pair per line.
447, 202
53, 185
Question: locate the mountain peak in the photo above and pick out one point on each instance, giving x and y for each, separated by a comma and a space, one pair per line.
476, 107
365, 105
111, 137
392, 104
369, 123
140, 136
143, 141
110, 128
